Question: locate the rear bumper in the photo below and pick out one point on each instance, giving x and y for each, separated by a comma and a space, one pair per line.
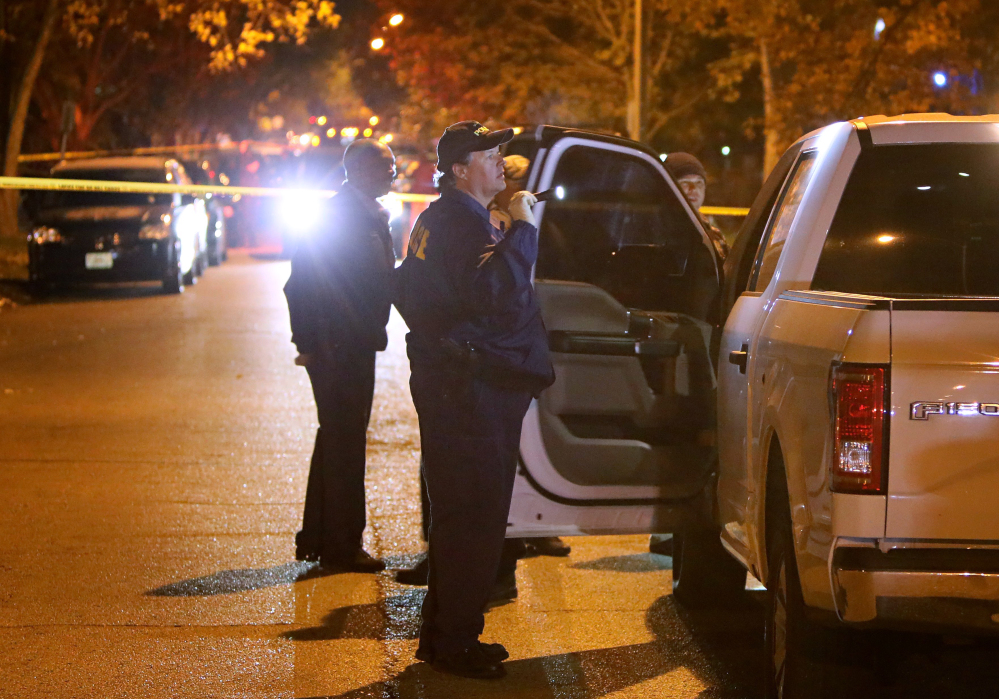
933, 588
143, 261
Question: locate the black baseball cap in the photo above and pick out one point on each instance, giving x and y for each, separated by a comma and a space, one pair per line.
467, 137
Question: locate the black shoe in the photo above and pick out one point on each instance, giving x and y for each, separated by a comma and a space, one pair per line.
360, 562
417, 575
547, 546
661, 544
472, 662
493, 651
304, 554
504, 591
305, 548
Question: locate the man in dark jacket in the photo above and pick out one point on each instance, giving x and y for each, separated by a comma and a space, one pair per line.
478, 352
339, 298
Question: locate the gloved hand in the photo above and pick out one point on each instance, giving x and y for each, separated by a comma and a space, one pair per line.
520, 207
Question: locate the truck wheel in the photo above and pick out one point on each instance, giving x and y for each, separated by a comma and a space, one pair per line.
801, 656
704, 573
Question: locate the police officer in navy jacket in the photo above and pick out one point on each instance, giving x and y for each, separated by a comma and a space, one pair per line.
479, 353
339, 298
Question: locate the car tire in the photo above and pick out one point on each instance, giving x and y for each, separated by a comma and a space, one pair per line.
705, 575
190, 277
173, 282
38, 289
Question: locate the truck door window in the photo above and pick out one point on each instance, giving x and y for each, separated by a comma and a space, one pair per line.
620, 226
780, 223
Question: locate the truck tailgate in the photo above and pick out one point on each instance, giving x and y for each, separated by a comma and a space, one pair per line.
943, 472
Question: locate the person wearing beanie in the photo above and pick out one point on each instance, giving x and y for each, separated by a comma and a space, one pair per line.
690, 176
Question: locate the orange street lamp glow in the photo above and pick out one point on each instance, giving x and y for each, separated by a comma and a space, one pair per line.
396, 20
330, 133
373, 121
315, 140
321, 121
367, 133
378, 44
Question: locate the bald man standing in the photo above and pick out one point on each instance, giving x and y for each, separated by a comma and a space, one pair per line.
339, 297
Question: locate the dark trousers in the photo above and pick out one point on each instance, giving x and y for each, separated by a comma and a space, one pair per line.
513, 549
470, 435
334, 519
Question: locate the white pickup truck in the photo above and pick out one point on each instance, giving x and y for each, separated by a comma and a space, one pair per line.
853, 358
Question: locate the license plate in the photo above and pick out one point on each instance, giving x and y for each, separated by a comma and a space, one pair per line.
99, 260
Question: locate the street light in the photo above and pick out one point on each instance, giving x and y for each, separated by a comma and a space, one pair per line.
373, 121
378, 44
396, 19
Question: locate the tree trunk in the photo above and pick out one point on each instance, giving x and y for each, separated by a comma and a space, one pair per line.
771, 131
8, 202
6, 83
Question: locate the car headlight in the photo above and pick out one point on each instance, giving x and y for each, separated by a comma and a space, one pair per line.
44, 234
154, 231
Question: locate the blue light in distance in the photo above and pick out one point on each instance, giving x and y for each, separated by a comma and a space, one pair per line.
879, 27
940, 79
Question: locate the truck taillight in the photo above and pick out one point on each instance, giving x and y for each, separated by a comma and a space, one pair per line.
860, 444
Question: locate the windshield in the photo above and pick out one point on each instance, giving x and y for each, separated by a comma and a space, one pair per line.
66, 200
917, 220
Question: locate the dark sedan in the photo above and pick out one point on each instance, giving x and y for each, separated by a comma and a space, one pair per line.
85, 237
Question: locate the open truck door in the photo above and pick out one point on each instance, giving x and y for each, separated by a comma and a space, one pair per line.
628, 283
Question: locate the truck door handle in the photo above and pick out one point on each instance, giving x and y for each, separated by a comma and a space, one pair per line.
610, 344
740, 357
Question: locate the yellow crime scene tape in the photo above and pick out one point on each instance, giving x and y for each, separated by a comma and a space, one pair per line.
151, 150
69, 185
724, 211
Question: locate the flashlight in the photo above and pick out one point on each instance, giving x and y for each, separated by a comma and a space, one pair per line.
553, 193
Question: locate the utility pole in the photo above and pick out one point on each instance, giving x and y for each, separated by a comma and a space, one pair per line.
638, 79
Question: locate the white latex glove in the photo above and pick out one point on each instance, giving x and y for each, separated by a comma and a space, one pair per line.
520, 207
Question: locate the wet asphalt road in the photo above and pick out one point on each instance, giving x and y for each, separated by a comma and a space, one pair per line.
153, 458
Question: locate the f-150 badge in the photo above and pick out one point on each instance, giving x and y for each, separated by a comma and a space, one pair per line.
922, 410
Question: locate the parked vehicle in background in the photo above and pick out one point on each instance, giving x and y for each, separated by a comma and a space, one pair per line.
824, 417
216, 250
87, 237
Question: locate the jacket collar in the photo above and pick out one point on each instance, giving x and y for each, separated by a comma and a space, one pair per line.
459, 197
371, 206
